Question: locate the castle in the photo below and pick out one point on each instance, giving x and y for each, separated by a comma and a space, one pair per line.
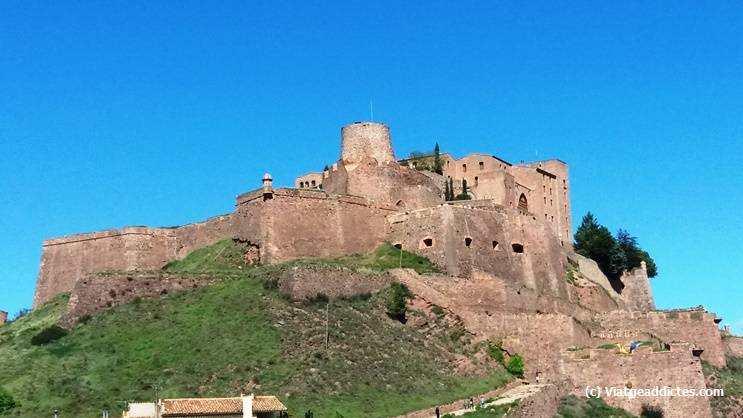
510, 271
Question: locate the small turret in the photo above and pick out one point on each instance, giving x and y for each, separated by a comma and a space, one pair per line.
267, 186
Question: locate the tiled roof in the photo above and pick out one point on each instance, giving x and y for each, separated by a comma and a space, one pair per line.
267, 404
214, 406
202, 406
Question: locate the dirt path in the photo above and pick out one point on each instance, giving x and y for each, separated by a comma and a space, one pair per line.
510, 393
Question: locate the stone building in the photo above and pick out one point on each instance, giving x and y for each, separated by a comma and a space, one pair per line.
3, 318
244, 406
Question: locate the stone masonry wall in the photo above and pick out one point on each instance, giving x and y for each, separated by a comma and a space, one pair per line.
636, 290
643, 369
517, 248
97, 292
695, 326
66, 260
309, 223
3, 318
302, 283
733, 346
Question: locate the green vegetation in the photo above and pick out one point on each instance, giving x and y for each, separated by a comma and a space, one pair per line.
575, 407
465, 195
515, 366
6, 401
730, 379
49, 334
221, 257
238, 335
438, 166
397, 301
385, 257
614, 255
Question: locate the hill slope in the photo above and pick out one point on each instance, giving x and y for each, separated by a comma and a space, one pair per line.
239, 335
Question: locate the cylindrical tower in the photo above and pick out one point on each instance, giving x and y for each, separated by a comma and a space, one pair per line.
366, 139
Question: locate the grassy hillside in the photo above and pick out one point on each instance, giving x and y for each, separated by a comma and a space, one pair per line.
236, 336
730, 379
575, 407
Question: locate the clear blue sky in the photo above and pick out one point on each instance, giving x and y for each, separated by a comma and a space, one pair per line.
159, 113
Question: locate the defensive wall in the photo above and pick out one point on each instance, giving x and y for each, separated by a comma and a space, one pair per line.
733, 346
3, 318
695, 326
644, 369
97, 292
66, 260
294, 223
464, 238
307, 282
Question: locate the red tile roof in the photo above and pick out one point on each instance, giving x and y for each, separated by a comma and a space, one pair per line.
202, 406
215, 406
267, 404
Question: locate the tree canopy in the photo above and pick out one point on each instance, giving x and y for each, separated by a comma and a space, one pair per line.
613, 254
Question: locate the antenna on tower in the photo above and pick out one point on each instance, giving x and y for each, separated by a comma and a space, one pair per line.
371, 110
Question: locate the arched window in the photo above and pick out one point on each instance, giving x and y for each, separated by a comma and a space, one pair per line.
523, 204
301, 185
464, 168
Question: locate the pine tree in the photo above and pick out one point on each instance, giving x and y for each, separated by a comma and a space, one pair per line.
594, 241
437, 166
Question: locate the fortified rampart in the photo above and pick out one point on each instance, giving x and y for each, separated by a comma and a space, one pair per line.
644, 369
733, 346
695, 326
308, 223
66, 260
98, 292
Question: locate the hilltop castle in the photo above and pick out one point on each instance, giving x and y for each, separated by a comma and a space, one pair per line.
510, 270
519, 214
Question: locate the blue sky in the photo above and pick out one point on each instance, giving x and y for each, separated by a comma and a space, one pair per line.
159, 113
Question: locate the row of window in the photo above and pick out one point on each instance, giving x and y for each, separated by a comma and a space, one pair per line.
307, 184
428, 243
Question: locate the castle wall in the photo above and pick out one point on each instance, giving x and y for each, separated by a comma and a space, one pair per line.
3, 318
302, 283
66, 260
467, 239
306, 223
733, 346
636, 290
96, 293
643, 369
695, 326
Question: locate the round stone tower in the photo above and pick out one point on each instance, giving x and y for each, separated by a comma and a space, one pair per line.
366, 139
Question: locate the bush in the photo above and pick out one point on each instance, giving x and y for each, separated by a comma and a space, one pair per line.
650, 411
48, 335
515, 366
6, 401
496, 352
397, 302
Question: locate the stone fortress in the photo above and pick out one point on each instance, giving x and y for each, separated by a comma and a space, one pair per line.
510, 271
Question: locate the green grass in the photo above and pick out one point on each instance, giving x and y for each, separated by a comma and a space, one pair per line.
575, 407
237, 335
730, 379
225, 256
385, 257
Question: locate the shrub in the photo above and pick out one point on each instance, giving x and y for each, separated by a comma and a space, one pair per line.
6, 401
397, 302
495, 351
515, 366
650, 411
48, 335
